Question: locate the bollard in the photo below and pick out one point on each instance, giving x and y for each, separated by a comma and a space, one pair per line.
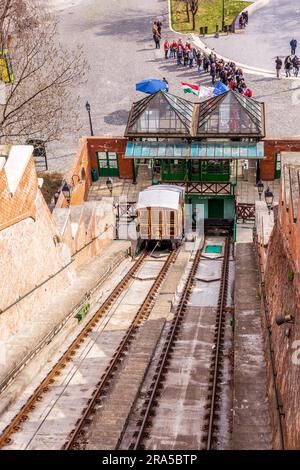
217, 31
201, 31
205, 29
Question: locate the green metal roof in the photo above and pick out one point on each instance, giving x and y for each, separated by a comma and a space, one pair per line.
196, 151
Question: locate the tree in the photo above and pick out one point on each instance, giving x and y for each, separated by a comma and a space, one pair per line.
40, 103
194, 6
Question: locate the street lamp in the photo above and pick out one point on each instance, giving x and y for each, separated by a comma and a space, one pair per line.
109, 184
66, 191
260, 188
269, 198
88, 108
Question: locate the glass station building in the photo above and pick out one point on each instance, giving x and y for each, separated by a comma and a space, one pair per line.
197, 145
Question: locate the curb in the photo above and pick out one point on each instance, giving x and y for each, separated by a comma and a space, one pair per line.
246, 68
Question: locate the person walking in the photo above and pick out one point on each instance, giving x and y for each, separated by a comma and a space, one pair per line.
179, 55
167, 83
278, 63
159, 26
295, 62
293, 45
213, 73
156, 38
166, 48
191, 58
288, 66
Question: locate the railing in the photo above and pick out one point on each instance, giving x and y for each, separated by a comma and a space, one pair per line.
203, 187
245, 212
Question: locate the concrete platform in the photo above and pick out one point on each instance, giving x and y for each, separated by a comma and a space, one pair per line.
251, 420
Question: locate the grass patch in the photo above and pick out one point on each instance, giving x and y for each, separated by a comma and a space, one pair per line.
209, 14
52, 182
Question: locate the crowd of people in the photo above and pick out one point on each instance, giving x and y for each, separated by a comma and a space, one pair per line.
188, 56
291, 62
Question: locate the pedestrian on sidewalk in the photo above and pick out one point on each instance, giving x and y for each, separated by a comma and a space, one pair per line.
179, 55
156, 38
278, 63
199, 60
191, 58
213, 73
166, 48
293, 45
296, 63
159, 26
167, 83
288, 66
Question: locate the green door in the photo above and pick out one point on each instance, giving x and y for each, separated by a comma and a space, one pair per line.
195, 174
216, 208
277, 166
108, 163
174, 170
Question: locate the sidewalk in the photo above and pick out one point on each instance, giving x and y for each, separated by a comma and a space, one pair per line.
251, 419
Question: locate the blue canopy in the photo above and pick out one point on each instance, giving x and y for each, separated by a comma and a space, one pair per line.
220, 88
151, 86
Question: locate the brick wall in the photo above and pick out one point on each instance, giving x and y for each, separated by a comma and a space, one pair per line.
283, 296
275, 145
20, 205
110, 144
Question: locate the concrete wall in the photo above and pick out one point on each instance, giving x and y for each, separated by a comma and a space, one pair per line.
30, 254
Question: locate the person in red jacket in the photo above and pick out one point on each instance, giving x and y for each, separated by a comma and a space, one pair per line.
166, 48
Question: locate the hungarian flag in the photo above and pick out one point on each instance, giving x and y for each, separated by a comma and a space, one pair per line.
190, 88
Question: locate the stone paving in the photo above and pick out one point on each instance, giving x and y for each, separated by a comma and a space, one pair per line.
119, 46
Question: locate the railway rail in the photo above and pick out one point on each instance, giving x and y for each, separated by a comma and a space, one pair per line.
145, 423
161, 369
216, 361
22, 415
73, 441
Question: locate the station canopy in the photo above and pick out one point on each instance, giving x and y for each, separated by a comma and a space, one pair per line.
195, 151
230, 113
227, 115
160, 113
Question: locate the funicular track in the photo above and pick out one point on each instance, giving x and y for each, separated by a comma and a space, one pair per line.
144, 424
23, 415
211, 428
100, 391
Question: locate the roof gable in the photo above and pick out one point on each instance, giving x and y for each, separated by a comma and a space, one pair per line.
160, 113
230, 114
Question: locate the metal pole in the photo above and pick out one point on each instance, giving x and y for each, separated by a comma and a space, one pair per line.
91, 125
223, 14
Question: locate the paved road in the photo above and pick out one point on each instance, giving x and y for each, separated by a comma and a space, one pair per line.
119, 47
268, 34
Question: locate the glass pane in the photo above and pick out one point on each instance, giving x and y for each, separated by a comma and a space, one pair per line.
102, 155
129, 149
103, 163
113, 163
112, 156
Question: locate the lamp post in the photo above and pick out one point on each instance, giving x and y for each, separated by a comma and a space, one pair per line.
223, 14
67, 191
88, 108
269, 198
109, 184
260, 188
